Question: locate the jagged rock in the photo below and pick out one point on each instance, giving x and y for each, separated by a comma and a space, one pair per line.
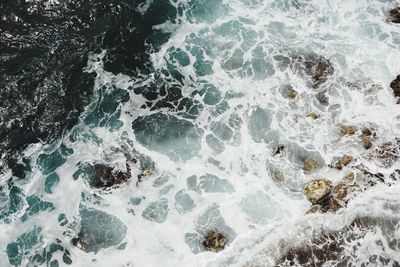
395, 85
349, 178
317, 190
348, 130
215, 241
317, 67
292, 94
344, 161
311, 164
106, 177
394, 16
313, 115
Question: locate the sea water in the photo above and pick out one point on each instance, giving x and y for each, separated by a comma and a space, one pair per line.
218, 110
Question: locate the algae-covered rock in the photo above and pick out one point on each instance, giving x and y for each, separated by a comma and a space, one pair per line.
215, 241
318, 189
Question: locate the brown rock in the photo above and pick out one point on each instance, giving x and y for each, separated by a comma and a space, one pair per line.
314, 209
340, 191
292, 94
348, 130
318, 189
344, 161
214, 241
366, 132
313, 115
394, 15
367, 142
311, 164
349, 178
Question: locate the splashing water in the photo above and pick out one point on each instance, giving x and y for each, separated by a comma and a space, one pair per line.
204, 123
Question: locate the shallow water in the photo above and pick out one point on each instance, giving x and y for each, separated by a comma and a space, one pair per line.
206, 120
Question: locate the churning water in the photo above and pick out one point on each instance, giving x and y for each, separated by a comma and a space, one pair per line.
199, 125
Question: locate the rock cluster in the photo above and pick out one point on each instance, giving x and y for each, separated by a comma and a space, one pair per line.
215, 241
324, 196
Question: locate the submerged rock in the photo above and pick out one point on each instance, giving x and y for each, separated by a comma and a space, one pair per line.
347, 130
317, 190
395, 85
98, 230
394, 15
311, 164
215, 241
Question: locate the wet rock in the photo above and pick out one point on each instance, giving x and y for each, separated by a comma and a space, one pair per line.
366, 132
279, 150
339, 247
318, 189
348, 130
340, 191
278, 177
387, 153
317, 67
106, 177
343, 161
394, 15
311, 164
322, 98
292, 94
145, 173
366, 141
395, 85
349, 178
215, 241
313, 115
